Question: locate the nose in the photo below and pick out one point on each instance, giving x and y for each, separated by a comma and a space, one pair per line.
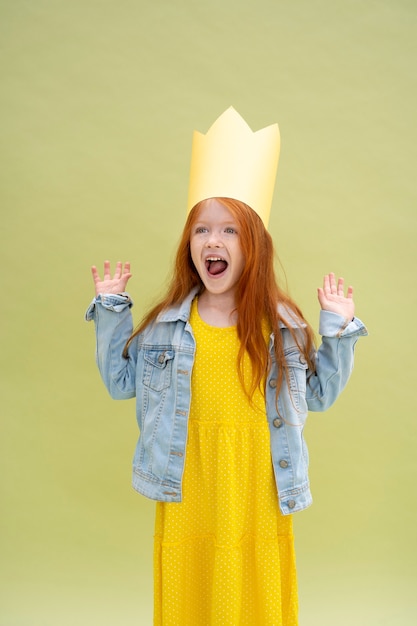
213, 240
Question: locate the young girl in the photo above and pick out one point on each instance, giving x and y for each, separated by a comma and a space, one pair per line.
224, 370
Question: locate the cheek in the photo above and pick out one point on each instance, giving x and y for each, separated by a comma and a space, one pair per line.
192, 249
241, 262
194, 252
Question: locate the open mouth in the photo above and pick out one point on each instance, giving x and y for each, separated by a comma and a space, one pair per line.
216, 265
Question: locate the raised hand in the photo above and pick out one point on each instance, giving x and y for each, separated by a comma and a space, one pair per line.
117, 284
332, 297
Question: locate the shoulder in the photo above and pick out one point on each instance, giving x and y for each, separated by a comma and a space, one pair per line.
288, 318
179, 311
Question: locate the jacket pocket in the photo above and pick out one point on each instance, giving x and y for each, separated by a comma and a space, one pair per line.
157, 370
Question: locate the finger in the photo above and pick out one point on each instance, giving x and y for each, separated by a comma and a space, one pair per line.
350, 292
341, 287
107, 270
326, 284
126, 269
332, 281
118, 270
95, 274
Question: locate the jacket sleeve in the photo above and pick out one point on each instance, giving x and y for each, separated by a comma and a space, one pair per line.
334, 359
113, 324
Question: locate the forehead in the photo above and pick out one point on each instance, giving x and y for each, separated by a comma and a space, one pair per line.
212, 210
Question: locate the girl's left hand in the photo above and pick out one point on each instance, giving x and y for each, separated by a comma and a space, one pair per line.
332, 297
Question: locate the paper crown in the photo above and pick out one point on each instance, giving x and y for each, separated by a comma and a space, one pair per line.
232, 161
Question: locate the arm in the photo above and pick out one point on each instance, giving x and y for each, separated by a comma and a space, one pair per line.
340, 331
110, 311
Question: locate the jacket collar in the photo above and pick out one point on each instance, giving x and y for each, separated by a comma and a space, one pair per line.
182, 312
179, 311
289, 319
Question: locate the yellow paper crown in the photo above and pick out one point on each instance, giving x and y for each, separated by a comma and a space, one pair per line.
232, 161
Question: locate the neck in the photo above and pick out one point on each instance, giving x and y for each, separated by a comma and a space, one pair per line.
217, 310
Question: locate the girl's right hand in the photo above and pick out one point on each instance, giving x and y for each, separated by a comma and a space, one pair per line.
117, 284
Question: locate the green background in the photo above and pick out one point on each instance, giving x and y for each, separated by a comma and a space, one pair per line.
98, 103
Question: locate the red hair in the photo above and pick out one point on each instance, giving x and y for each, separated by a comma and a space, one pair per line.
257, 296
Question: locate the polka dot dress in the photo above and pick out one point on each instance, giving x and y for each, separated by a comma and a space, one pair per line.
224, 556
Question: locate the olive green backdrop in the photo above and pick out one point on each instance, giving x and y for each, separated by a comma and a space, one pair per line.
98, 103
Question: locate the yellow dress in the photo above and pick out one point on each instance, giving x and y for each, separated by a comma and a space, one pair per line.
224, 556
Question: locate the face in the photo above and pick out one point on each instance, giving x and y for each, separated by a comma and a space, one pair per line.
215, 248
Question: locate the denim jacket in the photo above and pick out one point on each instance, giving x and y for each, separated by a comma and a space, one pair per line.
158, 373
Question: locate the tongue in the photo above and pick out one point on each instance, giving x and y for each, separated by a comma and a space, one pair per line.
217, 267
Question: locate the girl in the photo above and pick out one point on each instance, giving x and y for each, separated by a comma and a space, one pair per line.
224, 370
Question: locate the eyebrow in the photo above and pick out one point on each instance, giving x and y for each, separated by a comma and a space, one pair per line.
208, 222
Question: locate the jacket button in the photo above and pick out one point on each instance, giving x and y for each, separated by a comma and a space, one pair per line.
283, 463
161, 358
291, 504
273, 383
303, 360
277, 422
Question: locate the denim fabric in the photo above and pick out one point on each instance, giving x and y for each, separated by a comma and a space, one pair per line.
158, 373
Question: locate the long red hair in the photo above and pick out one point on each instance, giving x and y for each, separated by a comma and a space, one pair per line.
257, 297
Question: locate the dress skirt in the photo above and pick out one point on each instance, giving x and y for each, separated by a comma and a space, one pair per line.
224, 556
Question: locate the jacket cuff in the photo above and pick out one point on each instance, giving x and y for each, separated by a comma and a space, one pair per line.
334, 325
113, 302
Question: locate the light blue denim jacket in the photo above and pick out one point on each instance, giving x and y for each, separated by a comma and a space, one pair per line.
158, 372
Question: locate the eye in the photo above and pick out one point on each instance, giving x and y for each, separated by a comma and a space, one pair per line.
230, 230
201, 229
